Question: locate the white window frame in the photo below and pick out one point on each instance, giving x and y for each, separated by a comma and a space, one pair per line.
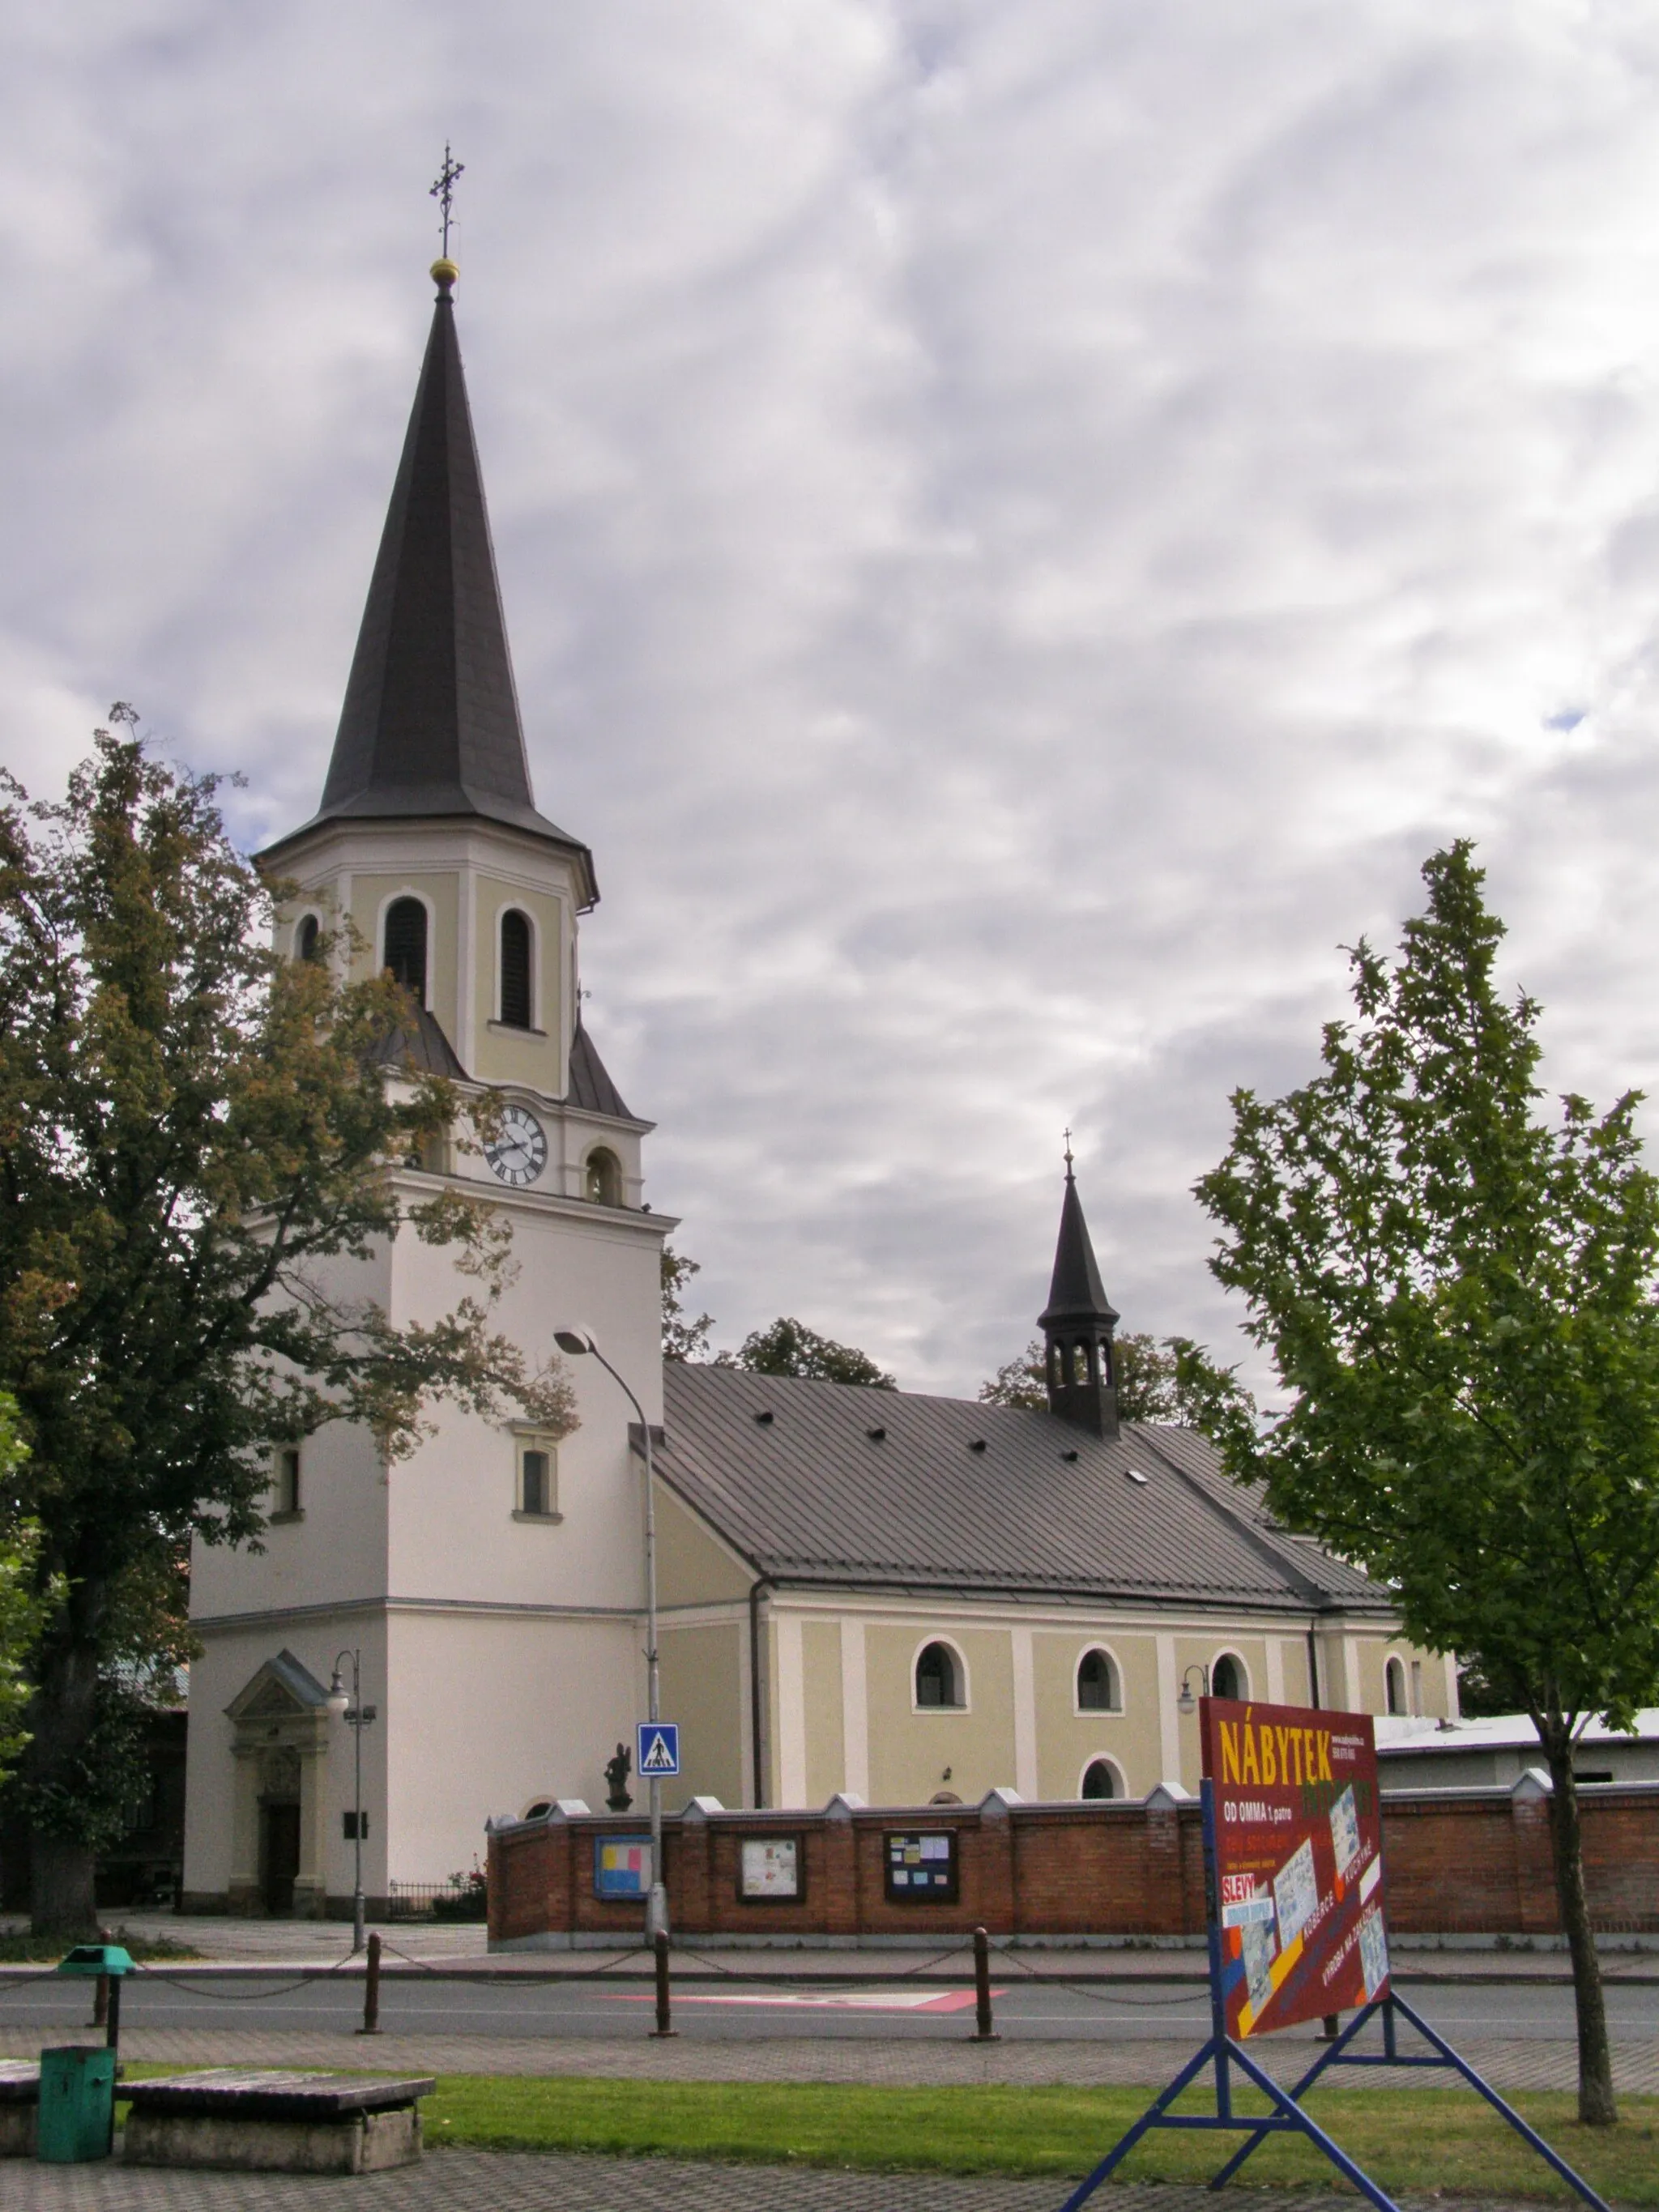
1227, 1651
281, 1514
1102, 1758
1089, 1712
529, 1439
963, 1680
1401, 1711
311, 913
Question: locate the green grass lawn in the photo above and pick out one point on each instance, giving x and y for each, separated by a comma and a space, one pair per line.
1404, 2138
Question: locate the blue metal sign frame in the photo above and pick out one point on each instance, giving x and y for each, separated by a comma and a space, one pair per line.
647, 1735
1223, 2054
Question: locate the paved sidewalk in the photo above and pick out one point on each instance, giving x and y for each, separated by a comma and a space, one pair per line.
481, 2181
1535, 2064
462, 1946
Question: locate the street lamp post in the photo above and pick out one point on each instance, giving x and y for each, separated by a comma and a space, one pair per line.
350, 1708
578, 1342
1187, 1703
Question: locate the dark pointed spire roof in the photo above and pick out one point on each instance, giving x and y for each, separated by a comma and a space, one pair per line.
430, 725
1076, 1292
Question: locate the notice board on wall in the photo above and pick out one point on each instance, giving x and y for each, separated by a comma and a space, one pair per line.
920, 1869
1298, 1860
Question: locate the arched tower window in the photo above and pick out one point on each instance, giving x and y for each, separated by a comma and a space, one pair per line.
937, 1678
1100, 1779
1393, 1681
404, 946
1229, 1680
602, 1177
307, 938
1097, 1684
515, 970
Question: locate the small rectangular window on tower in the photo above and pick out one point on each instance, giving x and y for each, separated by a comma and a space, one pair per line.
538, 1485
286, 1485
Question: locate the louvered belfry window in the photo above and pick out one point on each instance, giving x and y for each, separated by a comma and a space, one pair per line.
515, 970
406, 945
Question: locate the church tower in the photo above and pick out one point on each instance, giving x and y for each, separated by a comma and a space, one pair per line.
1077, 1326
491, 1585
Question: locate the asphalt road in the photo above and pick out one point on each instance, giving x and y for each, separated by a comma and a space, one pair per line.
710, 2010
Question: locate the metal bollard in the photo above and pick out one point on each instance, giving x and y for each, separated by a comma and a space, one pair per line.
112, 2022
1331, 2025
983, 2032
665, 2025
372, 1989
100, 2003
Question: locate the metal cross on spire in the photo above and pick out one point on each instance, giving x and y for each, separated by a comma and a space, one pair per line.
444, 191
1068, 1151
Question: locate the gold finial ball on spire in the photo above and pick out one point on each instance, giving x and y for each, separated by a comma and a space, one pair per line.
444, 273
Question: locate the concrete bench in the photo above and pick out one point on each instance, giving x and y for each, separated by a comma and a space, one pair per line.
274, 2123
19, 2107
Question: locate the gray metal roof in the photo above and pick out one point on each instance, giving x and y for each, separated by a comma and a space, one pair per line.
419, 1045
954, 1495
591, 1087
429, 727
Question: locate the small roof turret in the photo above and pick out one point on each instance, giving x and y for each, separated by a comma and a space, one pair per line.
1076, 1324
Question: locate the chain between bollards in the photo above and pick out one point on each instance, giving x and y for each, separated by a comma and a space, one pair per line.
664, 2024
372, 1989
983, 2032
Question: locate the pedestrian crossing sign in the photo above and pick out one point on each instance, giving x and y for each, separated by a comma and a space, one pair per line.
657, 1749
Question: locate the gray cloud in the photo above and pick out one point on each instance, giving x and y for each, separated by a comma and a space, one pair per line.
1021, 528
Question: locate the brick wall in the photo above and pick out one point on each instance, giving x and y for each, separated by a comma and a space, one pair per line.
1457, 1862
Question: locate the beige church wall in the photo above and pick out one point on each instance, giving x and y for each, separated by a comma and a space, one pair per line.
702, 1689
371, 892
500, 1055
491, 1710
821, 1687
451, 1531
910, 1750
693, 1566
1068, 1740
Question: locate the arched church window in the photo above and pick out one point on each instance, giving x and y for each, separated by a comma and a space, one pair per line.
1097, 1684
1079, 1364
515, 970
1394, 1680
403, 951
1100, 1779
307, 938
937, 1676
1228, 1678
602, 1178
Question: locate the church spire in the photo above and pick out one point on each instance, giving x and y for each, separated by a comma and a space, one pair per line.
430, 724
1076, 1324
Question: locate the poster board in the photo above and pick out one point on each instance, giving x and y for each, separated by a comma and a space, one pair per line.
1298, 1862
771, 1870
622, 1866
920, 1868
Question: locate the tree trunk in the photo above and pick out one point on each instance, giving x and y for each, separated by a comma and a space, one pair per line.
62, 1716
1596, 2106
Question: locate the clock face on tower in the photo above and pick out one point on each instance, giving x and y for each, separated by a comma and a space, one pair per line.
518, 1152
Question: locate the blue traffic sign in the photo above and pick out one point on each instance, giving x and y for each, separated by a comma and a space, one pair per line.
656, 1749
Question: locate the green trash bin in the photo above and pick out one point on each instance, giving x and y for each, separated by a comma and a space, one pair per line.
76, 2115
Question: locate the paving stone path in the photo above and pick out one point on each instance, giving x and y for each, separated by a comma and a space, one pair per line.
1532, 2064
479, 2181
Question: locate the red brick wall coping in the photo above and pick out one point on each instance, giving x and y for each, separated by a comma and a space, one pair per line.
1458, 1862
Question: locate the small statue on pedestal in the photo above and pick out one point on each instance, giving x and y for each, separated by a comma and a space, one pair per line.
615, 1773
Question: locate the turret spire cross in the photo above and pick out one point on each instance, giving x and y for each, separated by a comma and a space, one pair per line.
1068, 1151
444, 190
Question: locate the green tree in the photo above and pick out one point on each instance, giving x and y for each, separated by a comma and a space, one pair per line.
682, 1339
21, 1607
198, 1139
1173, 1381
1458, 1292
788, 1347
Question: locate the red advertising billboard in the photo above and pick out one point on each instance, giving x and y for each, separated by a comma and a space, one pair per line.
1298, 1862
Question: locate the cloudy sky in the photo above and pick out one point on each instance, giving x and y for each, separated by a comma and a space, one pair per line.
1022, 526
